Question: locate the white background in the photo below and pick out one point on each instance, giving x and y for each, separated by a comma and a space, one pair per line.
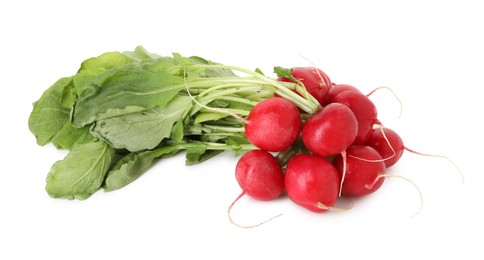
429, 52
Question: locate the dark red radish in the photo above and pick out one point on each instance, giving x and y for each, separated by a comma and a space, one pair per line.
259, 175
387, 143
312, 182
273, 124
364, 111
330, 131
316, 82
338, 88
364, 165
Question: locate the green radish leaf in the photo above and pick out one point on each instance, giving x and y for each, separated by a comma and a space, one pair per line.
238, 105
193, 154
133, 165
210, 73
141, 54
69, 135
259, 71
141, 130
121, 88
208, 116
48, 115
163, 65
218, 103
177, 132
68, 96
284, 73
237, 141
81, 172
114, 112
199, 154
212, 138
123, 111
93, 67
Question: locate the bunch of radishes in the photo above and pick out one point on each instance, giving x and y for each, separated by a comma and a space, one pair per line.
341, 150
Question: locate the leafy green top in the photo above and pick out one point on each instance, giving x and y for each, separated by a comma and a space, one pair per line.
121, 111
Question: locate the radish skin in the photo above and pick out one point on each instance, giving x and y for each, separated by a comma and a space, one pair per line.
273, 124
312, 182
330, 131
259, 175
338, 88
361, 176
364, 111
388, 144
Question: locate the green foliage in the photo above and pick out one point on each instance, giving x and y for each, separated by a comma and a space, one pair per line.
81, 173
139, 107
48, 115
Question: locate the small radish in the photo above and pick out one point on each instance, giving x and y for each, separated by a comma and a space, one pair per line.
316, 82
390, 146
387, 143
259, 175
312, 182
330, 131
364, 165
364, 110
338, 88
273, 124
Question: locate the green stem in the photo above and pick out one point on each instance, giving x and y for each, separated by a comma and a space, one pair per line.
234, 80
217, 94
216, 146
209, 93
204, 91
213, 146
204, 84
239, 112
238, 100
308, 104
224, 128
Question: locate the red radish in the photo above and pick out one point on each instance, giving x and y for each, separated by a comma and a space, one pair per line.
364, 110
312, 182
338, 88
273, 124
387, 143
364, 166
259, 175
330, 131
390, 146
316, 82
